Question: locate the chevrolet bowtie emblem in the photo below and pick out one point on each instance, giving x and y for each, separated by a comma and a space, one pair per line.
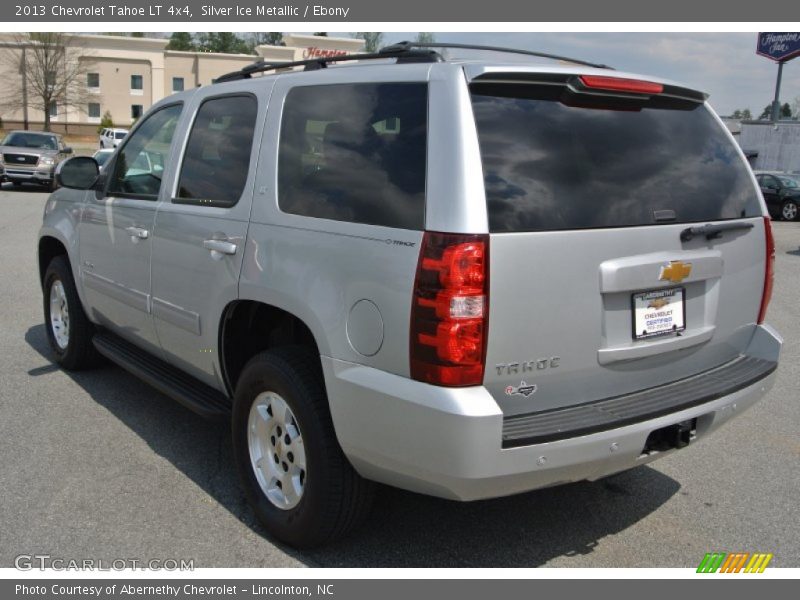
676, 271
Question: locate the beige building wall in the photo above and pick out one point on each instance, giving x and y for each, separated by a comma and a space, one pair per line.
115, 59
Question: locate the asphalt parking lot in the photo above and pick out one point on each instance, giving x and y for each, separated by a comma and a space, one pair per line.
98, 465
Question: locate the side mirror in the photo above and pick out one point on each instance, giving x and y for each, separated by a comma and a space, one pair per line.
67, 150
78, 173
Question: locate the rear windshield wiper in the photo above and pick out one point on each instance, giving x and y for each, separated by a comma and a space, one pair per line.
711, 230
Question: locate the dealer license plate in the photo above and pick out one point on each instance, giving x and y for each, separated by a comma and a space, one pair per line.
658, 312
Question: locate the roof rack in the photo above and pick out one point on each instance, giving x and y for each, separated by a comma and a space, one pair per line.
404, 52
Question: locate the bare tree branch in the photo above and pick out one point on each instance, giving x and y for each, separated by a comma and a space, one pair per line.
52, 68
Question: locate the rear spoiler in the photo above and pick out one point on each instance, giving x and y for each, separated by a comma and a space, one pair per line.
594, 84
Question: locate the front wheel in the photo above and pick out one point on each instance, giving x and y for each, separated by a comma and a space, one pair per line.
69, 331
294, 474
789, 210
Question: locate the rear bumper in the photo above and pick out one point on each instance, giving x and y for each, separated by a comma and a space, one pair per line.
449, 442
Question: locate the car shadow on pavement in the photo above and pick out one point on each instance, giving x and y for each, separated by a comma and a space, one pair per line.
403, 529
25, 187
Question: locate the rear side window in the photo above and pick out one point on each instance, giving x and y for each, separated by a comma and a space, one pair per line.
548, 165
355, 152
217, 158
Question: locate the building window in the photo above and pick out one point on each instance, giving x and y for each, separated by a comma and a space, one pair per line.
93, 80
137, 85
50, 79
93, 110
52, 109
136, 111
177, 84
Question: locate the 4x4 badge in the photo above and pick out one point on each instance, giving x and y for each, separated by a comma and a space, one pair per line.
523, 389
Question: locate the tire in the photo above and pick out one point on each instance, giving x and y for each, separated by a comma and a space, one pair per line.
332, 497
789, 210
73, 351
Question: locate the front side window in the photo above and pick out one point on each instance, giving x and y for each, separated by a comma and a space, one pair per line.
139, 166
137, 82
355, 152
217, 158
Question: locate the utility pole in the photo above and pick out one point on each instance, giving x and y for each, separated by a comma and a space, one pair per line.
24, 67
776, 103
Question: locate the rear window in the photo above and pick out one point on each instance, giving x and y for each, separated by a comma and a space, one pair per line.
548, 165
355, 152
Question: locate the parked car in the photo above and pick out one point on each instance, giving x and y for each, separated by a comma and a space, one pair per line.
482, 278
781, 193
111, 138
102, 156
32, 157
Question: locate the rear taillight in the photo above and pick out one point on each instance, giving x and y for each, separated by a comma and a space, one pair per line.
620, 84
449, 310
769, 271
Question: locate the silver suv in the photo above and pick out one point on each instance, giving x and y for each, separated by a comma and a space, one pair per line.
463, 278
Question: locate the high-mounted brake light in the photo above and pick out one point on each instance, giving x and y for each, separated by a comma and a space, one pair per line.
449, 310
769, 271
619, 84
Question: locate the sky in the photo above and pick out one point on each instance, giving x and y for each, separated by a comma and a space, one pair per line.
724, 65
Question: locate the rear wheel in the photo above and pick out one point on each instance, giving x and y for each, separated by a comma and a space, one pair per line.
69, 331
294, 474
789, 210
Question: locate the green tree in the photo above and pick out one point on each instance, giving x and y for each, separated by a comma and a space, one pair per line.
786, 111
322, 33
766, 113
181, 40
137, 34
737, 114
106, 122
222, 41
747, 115
425, 37
373, 40
265, 38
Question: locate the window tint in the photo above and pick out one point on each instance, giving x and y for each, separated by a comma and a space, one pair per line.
549, 165
217, 157
355, 152
139, 166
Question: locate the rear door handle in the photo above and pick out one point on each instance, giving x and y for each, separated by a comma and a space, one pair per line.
138, 232
221, 246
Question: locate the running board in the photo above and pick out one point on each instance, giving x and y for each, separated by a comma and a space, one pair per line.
193, 394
